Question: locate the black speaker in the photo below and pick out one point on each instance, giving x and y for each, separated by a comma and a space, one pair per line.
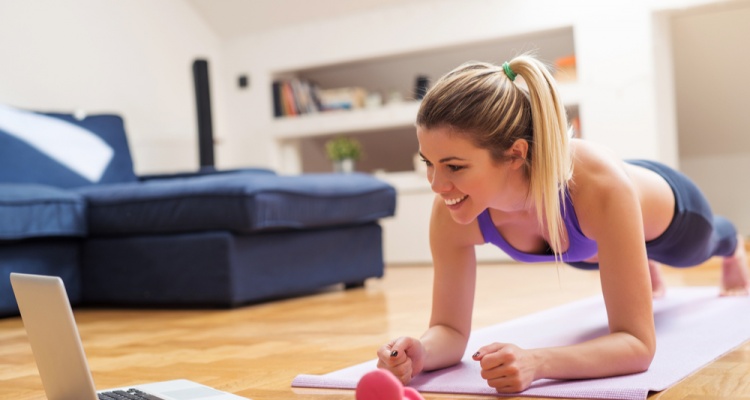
203, 109
421, 86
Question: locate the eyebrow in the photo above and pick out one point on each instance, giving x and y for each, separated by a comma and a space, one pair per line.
444, 160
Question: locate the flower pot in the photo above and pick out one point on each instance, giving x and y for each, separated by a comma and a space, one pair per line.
345, 166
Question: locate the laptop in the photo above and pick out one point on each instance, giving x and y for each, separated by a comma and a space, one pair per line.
52, 332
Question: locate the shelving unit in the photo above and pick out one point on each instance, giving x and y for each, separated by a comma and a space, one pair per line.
387, 133
370, 120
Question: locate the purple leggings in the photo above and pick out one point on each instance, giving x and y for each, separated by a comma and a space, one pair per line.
694, 235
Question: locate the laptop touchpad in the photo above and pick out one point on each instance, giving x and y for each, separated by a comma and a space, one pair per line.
193, 393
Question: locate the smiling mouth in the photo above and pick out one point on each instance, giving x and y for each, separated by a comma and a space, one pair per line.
453, 202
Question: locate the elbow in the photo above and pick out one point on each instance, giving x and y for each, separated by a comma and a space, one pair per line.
641, 351
444, 346
643, 362
644, 357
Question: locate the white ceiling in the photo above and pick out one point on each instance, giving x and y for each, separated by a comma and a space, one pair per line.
231, 18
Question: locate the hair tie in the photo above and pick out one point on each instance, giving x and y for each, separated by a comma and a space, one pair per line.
509, 72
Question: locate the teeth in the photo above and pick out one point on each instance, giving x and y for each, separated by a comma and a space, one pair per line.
451, 202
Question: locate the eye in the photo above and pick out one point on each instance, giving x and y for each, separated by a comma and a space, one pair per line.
426, 162
455, 168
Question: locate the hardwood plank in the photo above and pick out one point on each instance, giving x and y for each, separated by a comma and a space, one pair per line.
256, 351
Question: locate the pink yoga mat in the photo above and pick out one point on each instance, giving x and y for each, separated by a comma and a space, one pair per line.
694, 326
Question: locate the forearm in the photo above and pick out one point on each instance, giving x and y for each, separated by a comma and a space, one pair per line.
443, 346
610, 355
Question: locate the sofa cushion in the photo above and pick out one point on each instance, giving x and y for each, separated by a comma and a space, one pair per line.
238, 202
29, 211
60, 150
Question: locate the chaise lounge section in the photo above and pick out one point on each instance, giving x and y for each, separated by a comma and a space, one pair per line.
211, 239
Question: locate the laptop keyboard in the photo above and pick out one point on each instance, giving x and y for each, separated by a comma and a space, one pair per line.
130, 394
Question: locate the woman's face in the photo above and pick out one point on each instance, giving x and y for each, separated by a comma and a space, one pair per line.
467, 178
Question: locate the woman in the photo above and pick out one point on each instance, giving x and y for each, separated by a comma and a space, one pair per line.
499, 159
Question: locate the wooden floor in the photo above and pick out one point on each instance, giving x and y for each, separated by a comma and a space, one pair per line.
257, 350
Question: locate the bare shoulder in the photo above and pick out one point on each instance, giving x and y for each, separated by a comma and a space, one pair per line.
596, 168
445, 232
600, 185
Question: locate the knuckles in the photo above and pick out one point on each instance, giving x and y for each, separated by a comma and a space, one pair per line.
514, 387
401, 371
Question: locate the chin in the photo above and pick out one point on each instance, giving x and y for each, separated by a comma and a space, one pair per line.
463, 218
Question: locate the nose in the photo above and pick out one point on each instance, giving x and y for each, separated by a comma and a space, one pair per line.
438, 182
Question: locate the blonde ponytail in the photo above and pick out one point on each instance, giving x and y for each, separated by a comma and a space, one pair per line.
483, 102
551, 166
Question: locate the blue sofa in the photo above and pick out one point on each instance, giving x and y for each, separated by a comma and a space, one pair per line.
71, 206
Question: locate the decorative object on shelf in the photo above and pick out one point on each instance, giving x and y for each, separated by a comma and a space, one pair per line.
565, 69
344, 152
395, 97
575, 126
345, 98
421, 86
373, 100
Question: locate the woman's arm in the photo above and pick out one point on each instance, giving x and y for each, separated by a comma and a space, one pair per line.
444, 343
454, 261
614, 220
608, 208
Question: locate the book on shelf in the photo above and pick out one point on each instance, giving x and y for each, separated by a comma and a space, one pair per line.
296, 97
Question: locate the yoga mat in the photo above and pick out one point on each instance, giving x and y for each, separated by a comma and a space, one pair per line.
694, 326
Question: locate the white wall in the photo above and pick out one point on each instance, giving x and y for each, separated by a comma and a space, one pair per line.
723, 179
713, 103
131, 57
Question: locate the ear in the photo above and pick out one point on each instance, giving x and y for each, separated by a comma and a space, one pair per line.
518, 152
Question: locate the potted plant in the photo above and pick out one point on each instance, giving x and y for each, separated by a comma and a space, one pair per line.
344, 152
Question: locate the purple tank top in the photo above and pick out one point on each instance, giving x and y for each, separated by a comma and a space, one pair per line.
580, 247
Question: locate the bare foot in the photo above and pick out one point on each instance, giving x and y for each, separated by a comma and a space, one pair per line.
735, 280
657, 283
